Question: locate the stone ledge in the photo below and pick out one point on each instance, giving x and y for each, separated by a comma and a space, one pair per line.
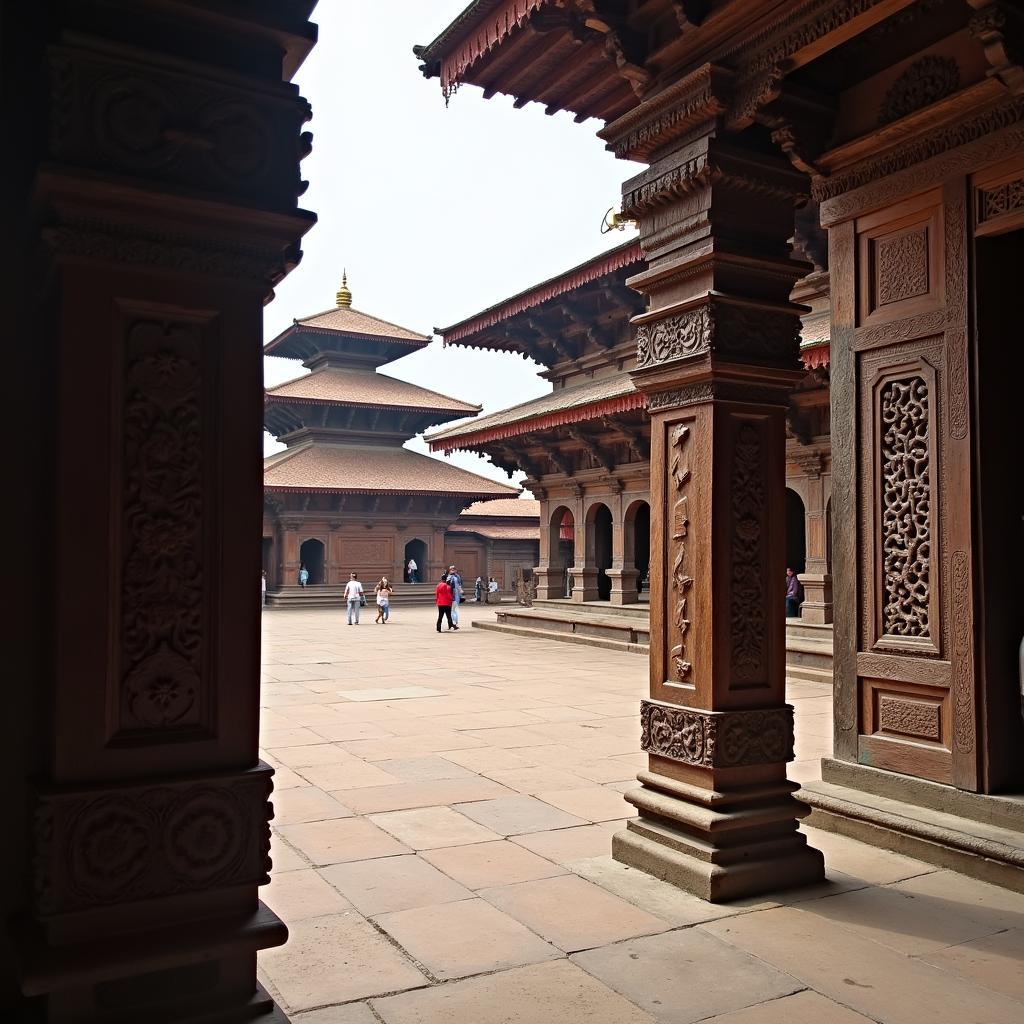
983, 851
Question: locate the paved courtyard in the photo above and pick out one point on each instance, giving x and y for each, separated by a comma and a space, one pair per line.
444, 814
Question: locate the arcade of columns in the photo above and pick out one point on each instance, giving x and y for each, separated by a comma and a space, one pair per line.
903, 121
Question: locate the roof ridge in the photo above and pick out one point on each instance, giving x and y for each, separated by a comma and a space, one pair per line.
299, 321
430, 391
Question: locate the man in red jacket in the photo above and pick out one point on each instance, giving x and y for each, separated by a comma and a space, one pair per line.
443, 592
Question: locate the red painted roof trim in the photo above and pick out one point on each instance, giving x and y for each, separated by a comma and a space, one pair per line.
599, 266
579, 414
815, 356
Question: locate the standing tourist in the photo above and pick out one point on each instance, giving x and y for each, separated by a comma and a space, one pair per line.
303, 575
443, 594
455, 582
492, 590
383, 592
412, 569
353, 597
479, 587
263, 581
792, 595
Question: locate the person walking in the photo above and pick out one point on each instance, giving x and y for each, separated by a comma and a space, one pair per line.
492, 590
383, 591
412, 568
443, 596
303, 575
479, 588
263, 598
455, 582
792, 595
353, 597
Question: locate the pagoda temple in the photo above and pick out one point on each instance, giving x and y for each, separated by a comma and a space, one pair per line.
345, 495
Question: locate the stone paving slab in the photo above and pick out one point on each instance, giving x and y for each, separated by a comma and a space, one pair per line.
439, 859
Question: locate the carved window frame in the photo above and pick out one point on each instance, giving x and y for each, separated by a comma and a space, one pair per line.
1005, 174
920, 367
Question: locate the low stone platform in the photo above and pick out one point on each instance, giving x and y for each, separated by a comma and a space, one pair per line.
978, 836
595, 623
809, 651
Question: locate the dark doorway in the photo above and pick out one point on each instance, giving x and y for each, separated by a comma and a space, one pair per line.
311, 555
601, 554
562, 543
998, 508
415, 551
268, 558
796, 533
638, 543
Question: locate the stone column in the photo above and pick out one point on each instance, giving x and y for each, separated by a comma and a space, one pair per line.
717, 357
584, 572
290, 553
160, 215
816, 578
623, 578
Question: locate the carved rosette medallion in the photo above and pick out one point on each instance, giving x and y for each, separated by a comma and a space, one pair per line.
723, 739
682, 582
747, 602
162, 522
96, 848
905, 488
675, 337
926, 81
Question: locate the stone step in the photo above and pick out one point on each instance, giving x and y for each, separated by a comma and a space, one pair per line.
639, 611
564, 637
567, 620
987, 851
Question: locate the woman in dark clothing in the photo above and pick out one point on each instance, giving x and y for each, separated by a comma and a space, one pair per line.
443, 593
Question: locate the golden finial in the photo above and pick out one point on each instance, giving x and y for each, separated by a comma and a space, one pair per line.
344, 296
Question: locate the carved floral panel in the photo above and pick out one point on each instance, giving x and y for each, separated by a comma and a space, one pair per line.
905, 490
901, 266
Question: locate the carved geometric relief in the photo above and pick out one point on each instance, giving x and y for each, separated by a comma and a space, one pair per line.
998, 200
101, 847
682, 582
747, 597
924, 82
910, 717
901, 266
905, 489
162, 517
726, 739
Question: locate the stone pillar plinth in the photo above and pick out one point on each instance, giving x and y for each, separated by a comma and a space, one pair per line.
717, 355
816, 579
584, 583
550, 583
624, 583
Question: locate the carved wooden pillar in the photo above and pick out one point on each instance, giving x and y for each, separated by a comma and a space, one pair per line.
163, 211
717, 356
290, 552
816, 578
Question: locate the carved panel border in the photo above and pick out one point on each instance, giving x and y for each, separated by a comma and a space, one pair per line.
163, 647
102, 847
679, 554
717, 739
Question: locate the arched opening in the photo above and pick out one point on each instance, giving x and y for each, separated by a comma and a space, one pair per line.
599, 547
311, 555
637, 543
562, 543
796, 533
414, 565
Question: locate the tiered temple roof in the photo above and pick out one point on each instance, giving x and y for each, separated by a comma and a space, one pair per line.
344, 422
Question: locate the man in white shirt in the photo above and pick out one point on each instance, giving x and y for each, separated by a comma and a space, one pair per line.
353, 597
412, 569
492, 590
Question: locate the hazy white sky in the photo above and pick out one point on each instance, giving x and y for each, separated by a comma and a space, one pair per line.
436, 212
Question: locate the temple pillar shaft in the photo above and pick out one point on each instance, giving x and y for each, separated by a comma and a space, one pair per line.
816, 579
158, 219
717, 357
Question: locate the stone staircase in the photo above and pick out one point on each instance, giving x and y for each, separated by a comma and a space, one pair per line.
627, 628
809, 651
332, 595
595, 623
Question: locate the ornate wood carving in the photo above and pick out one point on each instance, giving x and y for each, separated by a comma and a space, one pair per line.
727, 739
962, 653
162, 515
747, 599
909, 717
895, 331
926, 81
905, 488
674, 337
998, 200
117, 845
901, 266
998, 27
682, 582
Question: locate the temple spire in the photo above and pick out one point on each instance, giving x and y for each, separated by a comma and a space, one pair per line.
344, 296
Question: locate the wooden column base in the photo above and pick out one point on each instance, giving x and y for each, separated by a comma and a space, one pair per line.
718, 845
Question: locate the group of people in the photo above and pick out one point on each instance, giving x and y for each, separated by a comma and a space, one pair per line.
355, 598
